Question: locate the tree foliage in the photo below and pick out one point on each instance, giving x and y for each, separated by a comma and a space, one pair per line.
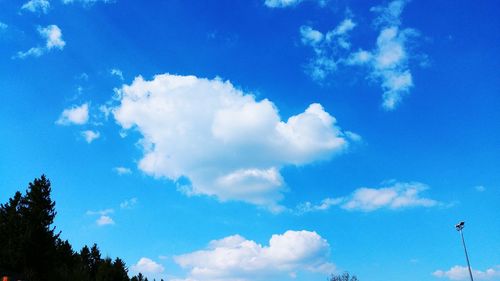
31, 249
342, 277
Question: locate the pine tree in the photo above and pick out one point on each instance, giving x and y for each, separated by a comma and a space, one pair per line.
37, 236
10, 230
30, 248
120, 270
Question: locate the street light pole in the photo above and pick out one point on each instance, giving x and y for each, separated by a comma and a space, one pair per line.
459, 226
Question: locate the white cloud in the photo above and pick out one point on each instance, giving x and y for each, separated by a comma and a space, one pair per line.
53, 35
147, 267
281, 3
390, 14
310, 36
387, 62
288, 3
104, 220
100, 212
3, 26
117, 72
329, 48
53, 40
128, 204
325, 204
37, 6
77, 115
235, 258
87, 2
90, 135
122, 170
224, 141
462, 273
397, 195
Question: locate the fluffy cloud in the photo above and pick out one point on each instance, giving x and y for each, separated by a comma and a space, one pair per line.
398, 195
90, 135
147, 267
53, 40
78, 115
104, 220
462, 273
329, 48
37, 6
235, 258
226, 143
3, 26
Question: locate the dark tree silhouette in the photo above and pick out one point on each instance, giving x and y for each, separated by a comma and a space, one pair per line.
32, 250
342, 277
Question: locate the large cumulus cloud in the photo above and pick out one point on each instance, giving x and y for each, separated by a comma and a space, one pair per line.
227, 143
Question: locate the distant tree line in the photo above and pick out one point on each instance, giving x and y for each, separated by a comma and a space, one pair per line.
31, 249
342, 277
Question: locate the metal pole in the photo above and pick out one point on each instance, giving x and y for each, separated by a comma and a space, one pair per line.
466, 255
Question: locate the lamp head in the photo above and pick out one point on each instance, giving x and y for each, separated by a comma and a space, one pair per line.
459, 226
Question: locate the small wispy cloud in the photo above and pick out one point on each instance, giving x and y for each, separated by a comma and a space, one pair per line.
329, 48
100, 212
122, 170
37, 6
128, 204
90, 135
117, 72
398, 195
458, 272
87, 3
289, 3
387, 62
480, 188
53, 40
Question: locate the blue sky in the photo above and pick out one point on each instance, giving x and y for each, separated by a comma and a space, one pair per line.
260, 139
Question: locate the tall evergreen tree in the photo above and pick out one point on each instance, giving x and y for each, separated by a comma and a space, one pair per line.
10, 229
